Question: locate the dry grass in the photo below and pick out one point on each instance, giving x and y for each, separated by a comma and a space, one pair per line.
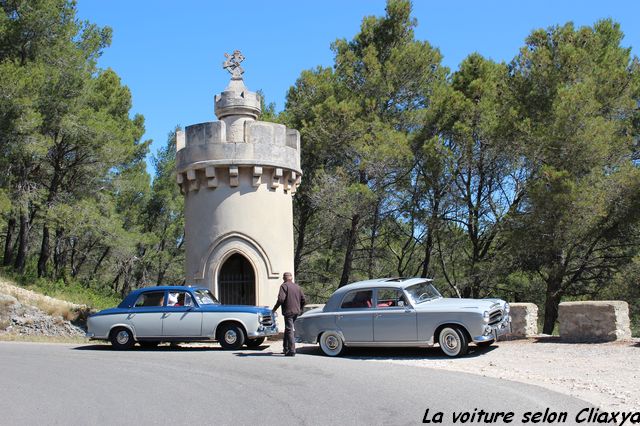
49, 305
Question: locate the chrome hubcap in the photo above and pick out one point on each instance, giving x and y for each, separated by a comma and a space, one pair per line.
450, 341
122, 337
332, 342
230, 337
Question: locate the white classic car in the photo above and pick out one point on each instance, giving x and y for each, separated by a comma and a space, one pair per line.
180, 314
402, 312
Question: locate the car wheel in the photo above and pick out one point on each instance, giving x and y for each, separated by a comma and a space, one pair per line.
121, 338
331, 343
254, 343
231, 337
453, 341
485, 344
149, 345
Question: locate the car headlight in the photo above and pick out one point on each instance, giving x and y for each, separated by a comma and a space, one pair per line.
507, 308
485, 315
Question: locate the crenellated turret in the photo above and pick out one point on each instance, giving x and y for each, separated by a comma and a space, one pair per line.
237, 175
270, 150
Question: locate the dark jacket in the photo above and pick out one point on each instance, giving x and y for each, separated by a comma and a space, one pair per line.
291, 298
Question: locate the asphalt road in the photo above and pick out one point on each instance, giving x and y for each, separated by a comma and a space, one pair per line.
51, 384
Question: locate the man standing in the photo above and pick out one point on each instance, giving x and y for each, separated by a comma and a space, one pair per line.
291, 298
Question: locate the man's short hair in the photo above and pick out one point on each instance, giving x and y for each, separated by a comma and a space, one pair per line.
287, 274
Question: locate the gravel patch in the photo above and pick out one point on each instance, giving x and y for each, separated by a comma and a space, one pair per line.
604, 374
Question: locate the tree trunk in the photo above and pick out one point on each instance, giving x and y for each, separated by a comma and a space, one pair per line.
429, 243
45, 252
302, 228
351, 244
161, 273
9, 243
60, 254
104, 255
551, 303
374, 234
45, 248
23, 241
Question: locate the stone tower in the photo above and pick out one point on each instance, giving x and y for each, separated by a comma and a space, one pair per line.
238, 176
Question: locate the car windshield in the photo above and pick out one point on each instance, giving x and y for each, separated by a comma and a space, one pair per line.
422, 292
204, 297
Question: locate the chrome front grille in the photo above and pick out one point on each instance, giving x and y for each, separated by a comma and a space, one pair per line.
266, 320
495, 317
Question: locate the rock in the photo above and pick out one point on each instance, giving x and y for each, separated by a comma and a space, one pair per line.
594, 321
524, 320
19, 319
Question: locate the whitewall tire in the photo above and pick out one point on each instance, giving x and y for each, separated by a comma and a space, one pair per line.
331, 343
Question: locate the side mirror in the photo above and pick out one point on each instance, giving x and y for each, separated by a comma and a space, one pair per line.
401, 303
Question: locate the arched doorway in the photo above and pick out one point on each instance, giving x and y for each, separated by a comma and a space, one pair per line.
237, 282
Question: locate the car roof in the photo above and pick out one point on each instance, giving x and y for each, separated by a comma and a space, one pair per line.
383, 282
389, 282
135, 293
168, 287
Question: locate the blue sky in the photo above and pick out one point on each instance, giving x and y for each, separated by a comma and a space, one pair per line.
170, 53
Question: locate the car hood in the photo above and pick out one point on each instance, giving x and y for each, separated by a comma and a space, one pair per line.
451, 303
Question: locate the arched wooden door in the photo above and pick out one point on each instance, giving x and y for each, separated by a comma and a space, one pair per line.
237, 282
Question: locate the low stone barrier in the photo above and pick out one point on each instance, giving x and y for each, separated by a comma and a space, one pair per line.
594, 321
524, 320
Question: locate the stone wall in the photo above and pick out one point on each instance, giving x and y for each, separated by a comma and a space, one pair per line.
594, 321
524, 320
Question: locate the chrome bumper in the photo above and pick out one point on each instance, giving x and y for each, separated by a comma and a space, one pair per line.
264, 331
492, 332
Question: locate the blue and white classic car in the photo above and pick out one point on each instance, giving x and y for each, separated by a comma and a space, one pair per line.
180, 314
402, 312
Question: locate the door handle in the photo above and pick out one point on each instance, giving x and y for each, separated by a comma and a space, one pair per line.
378, 315
165, 315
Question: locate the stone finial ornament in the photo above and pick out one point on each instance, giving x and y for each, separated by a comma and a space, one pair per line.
232, 64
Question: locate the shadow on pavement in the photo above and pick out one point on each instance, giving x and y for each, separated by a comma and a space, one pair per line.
558, 339
184, 347
253, 354
398, 353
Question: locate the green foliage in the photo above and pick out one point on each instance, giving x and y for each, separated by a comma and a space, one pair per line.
576, 94
504, 180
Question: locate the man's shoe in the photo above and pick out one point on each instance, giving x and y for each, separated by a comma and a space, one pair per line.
290, 354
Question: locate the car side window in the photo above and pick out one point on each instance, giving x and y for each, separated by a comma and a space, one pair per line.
390, 298
357, 299
151, 298
179, 299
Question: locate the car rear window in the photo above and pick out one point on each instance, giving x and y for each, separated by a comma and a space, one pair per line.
357, 299
150, 298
